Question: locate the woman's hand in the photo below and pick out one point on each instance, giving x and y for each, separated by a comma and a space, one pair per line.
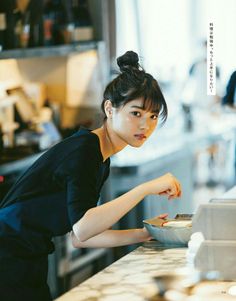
163, 216
146, 235
164, 185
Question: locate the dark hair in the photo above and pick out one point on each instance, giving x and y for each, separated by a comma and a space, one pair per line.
133, 82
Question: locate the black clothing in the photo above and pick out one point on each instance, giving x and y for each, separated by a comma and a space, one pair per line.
228, 99
52, 195
23, 279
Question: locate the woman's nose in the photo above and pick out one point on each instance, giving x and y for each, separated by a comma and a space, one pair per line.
144, 124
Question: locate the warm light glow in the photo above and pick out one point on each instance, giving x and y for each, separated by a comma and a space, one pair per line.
10, 76
232, 290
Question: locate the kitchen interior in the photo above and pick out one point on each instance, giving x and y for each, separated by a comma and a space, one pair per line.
56, 58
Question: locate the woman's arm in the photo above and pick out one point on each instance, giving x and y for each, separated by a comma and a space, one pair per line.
98, 219
112, 238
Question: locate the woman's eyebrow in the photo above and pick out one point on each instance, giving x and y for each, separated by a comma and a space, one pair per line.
137, 107
141, 108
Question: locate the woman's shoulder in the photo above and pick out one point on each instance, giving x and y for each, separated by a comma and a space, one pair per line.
82, 143
86, 140
82, 138
86, 136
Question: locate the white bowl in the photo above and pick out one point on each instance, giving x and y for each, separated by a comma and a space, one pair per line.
169, 235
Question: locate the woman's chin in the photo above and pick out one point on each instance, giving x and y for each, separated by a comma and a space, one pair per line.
137, 144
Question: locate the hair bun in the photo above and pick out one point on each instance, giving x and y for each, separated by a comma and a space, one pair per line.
127, 60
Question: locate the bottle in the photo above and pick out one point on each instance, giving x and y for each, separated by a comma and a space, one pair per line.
18, 28
36, 23
28, 25
48, 23
7, 7
25, 30
69, 27
82, 19
19, 17
54, 21
2, 30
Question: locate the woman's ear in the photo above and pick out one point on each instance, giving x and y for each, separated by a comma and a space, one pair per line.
108, 108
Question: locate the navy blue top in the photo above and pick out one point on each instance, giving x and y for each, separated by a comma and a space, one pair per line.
52, 195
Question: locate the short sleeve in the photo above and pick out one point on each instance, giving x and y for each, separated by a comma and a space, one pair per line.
80, 172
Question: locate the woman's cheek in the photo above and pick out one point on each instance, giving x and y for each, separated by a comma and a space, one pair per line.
130, 119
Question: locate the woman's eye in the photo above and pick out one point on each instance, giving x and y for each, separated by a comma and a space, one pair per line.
136, 113
154, 117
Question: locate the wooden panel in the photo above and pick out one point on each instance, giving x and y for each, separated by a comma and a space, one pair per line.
84, 80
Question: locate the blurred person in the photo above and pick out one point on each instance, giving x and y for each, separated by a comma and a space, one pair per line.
198, 107
229, 98
60, 191
195, 89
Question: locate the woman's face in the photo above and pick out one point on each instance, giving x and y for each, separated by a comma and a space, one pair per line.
132, 124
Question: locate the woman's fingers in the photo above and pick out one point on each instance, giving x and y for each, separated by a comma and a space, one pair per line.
163, 193
172, 193
175, 191
164, 185
163, 215
177, 188
174, 186
180, 193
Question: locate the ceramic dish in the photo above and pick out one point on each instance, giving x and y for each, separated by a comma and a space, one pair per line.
176, 233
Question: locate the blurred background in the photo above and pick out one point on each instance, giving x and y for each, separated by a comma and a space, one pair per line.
57, 56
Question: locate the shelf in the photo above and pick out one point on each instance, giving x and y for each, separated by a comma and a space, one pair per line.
61, 50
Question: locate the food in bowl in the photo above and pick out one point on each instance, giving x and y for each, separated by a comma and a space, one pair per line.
171, 232
178, 224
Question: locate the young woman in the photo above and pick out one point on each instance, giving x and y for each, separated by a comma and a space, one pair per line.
60, 191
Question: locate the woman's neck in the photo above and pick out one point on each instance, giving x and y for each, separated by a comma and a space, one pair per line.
109, 143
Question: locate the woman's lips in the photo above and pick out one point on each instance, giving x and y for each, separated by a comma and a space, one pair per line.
140, 136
